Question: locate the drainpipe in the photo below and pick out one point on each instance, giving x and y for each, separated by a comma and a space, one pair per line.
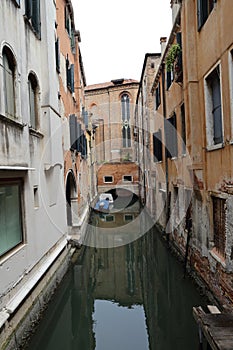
109, 125
143, 149
165, 141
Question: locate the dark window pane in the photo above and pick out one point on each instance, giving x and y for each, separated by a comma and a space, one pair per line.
57, 54
108, 179
183, 129
213, 81
9, 88
10, 217
157, 146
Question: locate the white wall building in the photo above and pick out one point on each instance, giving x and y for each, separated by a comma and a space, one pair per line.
32, 201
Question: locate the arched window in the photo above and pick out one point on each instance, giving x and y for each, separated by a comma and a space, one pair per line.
33, 101
125, 115
9, 81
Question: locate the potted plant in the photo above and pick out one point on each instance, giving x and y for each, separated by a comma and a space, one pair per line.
172, 54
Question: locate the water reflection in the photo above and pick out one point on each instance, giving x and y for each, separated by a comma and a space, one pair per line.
130, 297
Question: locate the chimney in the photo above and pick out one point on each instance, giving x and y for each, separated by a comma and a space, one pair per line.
163, 43
175, 6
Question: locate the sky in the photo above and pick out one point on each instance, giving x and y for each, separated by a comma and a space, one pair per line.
116, 35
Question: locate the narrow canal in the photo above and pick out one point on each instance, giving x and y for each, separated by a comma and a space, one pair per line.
131, 297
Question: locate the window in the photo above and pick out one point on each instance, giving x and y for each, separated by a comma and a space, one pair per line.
183, 129
125, 114
157, 146
33, 101
204, 7
219, 220
127, 178
157, 97
171, 137
213, 108
169, 78
69, 27
32, 9
83, 145
75, 133
128, 217
57, 54
176, 204
178, 66
108, 179
109, 218
70, 75
10, 215
9, 69
36, 197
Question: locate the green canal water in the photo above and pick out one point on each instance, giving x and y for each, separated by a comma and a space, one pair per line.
131, 297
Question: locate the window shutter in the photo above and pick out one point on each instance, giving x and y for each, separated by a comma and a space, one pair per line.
72, 40
174, 135
85, 118
72, 77
85, 147
171, 137
168, 138
73, 132
36, 15
83, 144
68, 84
78, 137
57, 54
28, 8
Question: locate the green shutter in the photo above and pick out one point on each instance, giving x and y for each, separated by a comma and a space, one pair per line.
57, 54
28, 8
72, 77
36, 15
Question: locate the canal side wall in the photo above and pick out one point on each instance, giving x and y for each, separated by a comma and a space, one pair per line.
20, 324
212, 273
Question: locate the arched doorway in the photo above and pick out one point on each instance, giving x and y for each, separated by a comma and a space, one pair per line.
71, 196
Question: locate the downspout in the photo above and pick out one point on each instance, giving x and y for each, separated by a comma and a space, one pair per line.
109, 125
143, 152
165, 142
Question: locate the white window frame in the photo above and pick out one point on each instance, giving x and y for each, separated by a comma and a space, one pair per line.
19, 183
210, 146
17, 116
108, 182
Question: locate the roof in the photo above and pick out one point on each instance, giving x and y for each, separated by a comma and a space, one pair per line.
112, 83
